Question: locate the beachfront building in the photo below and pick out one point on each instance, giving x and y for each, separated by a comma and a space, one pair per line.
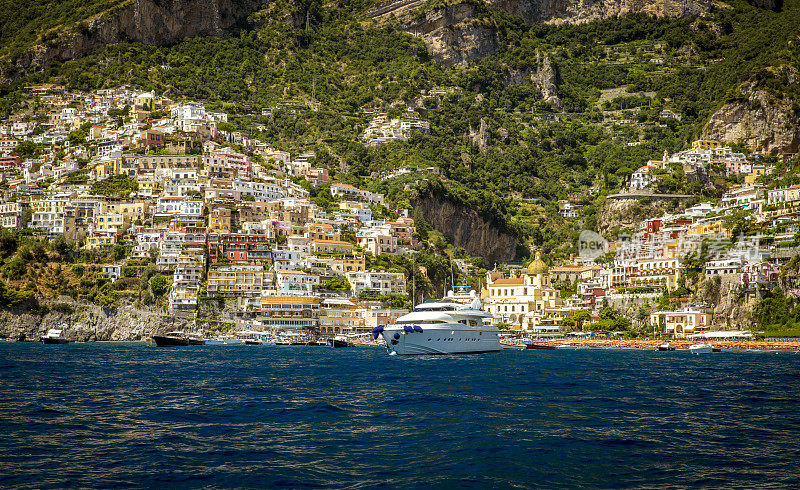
339, 316
680, 323
289, 312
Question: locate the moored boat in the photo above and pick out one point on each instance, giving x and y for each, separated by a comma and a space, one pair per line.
533, 345
666, 346
339, 341
224, 340
442, 326
54, 336
178, 339
701, 349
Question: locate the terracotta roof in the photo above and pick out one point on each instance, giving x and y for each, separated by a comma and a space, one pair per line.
514, 281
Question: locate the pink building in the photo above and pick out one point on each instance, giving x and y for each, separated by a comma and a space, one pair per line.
318, 176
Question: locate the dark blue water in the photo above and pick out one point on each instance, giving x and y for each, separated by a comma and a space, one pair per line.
109, 415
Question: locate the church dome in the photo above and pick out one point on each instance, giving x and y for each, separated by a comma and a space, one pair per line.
538, 267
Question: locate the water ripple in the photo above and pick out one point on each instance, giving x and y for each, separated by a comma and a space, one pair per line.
108, 415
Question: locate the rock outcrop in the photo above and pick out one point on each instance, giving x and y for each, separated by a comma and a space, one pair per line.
571, 11
467, 229
761, 122
89, 322
454, 36
545, 78
160, 22
451, 36
479, 137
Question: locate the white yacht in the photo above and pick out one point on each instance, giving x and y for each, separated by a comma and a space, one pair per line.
441, 326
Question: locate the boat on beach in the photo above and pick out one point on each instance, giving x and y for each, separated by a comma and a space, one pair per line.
54, 336
178, 339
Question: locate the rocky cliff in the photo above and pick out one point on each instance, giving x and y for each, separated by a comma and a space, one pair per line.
467, 229
159, 22
761, 121
89, 322
577, 11
454, 35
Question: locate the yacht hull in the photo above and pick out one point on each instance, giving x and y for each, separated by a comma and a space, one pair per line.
446, 339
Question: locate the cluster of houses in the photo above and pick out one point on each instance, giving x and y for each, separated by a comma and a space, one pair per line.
225, 223
697, 162
383, 129
219, 211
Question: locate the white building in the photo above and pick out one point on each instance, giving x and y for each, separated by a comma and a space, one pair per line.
381, 282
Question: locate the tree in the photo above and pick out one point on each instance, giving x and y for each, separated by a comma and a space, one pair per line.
159, 285
581, 317
26, 149
8, 243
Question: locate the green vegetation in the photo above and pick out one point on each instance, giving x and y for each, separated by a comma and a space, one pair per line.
778, 315
117, 185
44, 21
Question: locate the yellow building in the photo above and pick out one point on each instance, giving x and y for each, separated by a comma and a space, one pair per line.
105, 168
236, 280
289, 312
758, 170
321, 231
515, 300
331, 247
340, 317
111, 223
100, 239
705, 144
148, 187
708, 227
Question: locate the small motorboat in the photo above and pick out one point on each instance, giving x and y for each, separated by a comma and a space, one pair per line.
567, 346
509, 346
533, 345
339, 341
701, 349
666, 346
54, 336
223, 340
178, 339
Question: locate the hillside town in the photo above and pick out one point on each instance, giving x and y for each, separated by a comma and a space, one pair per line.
228, 219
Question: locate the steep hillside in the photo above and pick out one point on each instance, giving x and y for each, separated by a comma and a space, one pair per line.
160, 22
516, 110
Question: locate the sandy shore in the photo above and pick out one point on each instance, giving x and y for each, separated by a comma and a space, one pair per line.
678, 344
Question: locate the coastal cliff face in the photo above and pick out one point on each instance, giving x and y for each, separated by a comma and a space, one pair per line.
160, 22
467, 228
761, 122
90, 323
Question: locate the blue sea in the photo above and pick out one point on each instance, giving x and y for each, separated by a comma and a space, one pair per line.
132, 415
